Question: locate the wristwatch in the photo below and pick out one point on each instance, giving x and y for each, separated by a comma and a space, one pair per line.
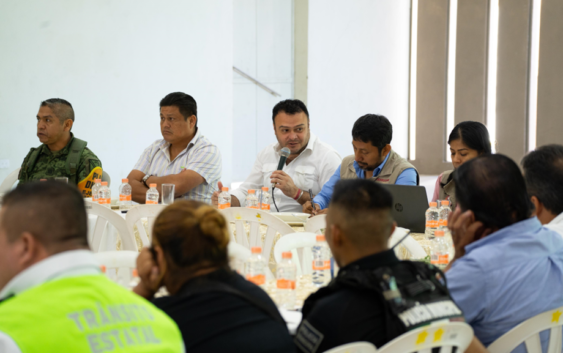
145, 178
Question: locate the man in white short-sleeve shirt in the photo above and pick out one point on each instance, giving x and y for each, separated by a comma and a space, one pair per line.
184, 157
310, 164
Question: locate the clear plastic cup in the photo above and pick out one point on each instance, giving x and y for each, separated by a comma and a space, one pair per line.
167, 194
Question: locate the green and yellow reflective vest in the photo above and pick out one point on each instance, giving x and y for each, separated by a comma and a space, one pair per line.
87, 314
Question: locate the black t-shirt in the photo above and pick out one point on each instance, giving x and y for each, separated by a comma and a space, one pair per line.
223, 322
346, 316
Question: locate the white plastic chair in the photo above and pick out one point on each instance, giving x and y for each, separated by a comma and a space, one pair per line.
528, 333
106, 177
123, 262
105, 215
9, 182
356, 347
300, 246
315, 224
136, 214
409, 243
238, 254
440, 334
256, 218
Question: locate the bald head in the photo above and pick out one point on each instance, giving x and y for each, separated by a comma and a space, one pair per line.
362, 210
53, 212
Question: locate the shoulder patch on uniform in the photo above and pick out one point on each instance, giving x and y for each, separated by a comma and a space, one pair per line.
308, 338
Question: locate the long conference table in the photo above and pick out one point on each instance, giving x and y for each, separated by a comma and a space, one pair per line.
304, 285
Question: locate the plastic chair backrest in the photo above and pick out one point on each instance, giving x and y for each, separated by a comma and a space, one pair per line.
9, 182
440, 334
123, 261
315, 224
136, 214
417, 252
300, 246
255, 218
105, 215
528, 333
238, 254
356, 347
106, 177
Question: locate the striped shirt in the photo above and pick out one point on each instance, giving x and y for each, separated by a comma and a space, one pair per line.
201, 156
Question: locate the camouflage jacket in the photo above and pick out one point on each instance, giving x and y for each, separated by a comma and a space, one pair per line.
50, 165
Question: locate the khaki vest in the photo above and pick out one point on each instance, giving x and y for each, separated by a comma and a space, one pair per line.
394, 166
447, 189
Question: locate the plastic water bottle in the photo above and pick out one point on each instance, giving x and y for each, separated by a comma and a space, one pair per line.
321, 262
104, 195
432, 219
224, 198
285, 282
152, 195
254, 267
440, 250
444, 212
96, 189
125, 195
134, 279
252, 200
265, 199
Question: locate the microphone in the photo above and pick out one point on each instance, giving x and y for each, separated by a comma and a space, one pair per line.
285, 152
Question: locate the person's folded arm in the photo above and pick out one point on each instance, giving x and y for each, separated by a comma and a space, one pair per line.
138, 189
407, 177
183, 181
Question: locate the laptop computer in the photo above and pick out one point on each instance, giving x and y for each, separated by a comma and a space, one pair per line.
409, 206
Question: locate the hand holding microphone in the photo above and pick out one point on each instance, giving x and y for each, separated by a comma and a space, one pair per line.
284, 153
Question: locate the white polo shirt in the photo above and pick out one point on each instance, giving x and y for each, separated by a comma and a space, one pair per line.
200, 155
556, 224
310, 170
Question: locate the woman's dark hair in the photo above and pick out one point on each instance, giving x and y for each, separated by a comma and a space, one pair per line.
473, 134
193, 235
493, 187
373, 128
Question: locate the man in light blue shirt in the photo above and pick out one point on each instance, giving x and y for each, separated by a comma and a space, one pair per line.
507, 267
373, 159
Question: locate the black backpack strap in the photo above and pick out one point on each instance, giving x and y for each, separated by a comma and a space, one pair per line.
73, 159
215, 286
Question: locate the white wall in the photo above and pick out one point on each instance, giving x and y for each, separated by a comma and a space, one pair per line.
358, 64
114, 61
263, 48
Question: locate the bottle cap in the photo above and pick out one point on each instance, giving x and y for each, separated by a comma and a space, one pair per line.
256, 250
264, 188
286, 255
103, 268
433, 204
124, 180
251, 191
445, 202
152, 185
321, 237
104, 183
135, 273
439, 233
97, 180
225, 188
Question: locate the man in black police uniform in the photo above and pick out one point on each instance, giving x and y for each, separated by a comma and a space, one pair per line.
353, 306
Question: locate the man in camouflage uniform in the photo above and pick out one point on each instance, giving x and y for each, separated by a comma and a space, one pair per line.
61, 154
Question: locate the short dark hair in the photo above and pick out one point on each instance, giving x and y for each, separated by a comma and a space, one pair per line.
366, 210
289, 106
373, 128
543, 172
52, 211
473, 134
185, 103
61, 108
493, 187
